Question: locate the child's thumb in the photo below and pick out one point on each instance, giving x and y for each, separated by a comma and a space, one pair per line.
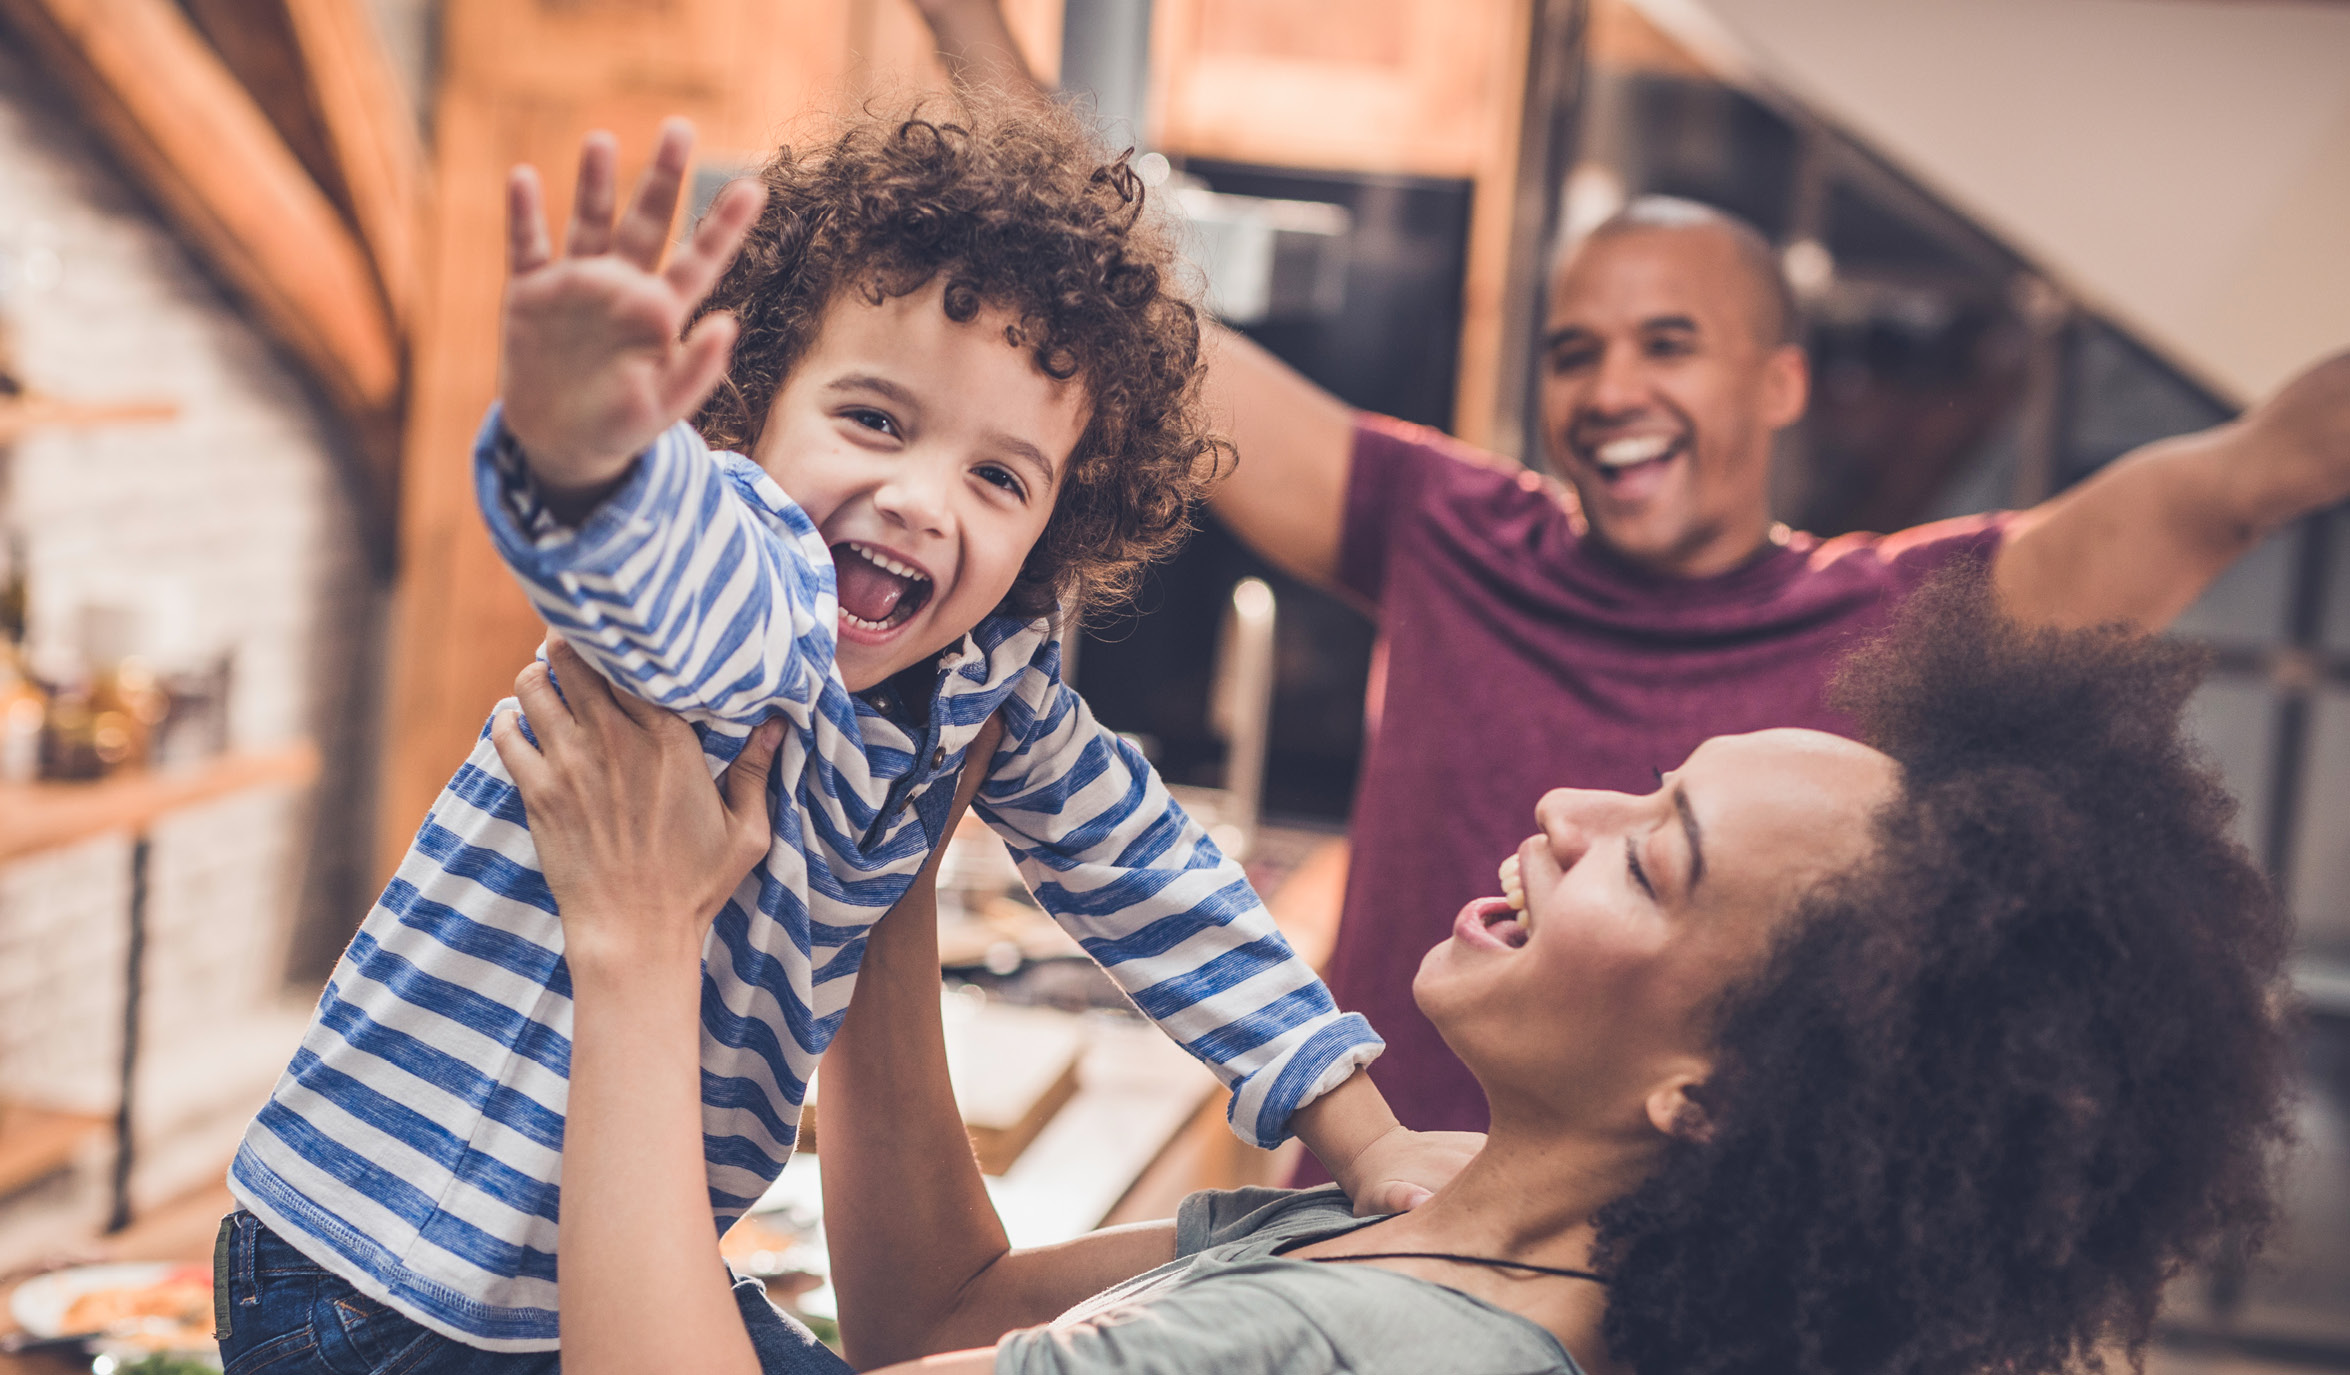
1391, 1196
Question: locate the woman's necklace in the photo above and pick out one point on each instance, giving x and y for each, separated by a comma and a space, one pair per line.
1495, 1262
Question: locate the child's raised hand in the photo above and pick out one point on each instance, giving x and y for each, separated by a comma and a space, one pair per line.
592, 366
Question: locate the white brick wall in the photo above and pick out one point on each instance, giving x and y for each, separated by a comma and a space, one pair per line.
62, 935
235, 526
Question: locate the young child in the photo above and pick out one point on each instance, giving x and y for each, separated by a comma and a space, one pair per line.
969, 404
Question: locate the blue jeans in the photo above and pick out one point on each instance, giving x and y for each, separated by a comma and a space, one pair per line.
280, 1312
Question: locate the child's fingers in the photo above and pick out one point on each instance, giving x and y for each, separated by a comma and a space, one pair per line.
699, 264
644, 230
549, 716
524, 764
699, 363
1393, 1196
591, 200
527, 247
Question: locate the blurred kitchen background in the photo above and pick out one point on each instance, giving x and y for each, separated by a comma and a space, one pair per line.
249, 271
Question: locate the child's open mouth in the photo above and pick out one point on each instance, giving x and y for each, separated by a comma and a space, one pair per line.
877, 592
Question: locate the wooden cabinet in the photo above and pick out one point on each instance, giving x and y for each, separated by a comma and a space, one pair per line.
1412, 86
1430, 88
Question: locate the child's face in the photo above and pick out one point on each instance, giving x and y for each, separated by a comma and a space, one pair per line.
929, 453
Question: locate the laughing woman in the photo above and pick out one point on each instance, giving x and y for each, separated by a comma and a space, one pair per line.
1939, 1053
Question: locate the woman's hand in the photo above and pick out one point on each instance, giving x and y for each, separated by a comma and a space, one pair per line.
641, 851
640, 848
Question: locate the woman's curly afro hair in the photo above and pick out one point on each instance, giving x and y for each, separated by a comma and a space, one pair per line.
1017, 206
2000, 1082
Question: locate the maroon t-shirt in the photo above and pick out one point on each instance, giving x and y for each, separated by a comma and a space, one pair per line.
1516, 656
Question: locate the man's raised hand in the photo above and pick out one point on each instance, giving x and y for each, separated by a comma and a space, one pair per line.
592, 362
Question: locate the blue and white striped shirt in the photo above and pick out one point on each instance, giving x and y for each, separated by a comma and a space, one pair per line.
414, 1145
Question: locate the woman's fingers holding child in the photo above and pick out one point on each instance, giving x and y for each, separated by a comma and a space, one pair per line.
637, 842
524, 764
595, 703
747, 818
544, 706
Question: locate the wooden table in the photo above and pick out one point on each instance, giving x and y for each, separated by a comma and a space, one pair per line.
46, 816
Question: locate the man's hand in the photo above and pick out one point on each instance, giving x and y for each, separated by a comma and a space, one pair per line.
2307, 421
978, 47
592, 365
638, 846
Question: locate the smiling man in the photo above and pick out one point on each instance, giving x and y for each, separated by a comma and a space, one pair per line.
1596, 629
1670, 362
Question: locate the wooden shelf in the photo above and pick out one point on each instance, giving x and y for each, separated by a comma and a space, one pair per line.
19, 414
43, 816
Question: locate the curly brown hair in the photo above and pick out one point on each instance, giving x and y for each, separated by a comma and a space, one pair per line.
1999, 1083
1019, 207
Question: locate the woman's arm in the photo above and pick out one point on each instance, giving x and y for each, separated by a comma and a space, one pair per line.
640, 1283
920, 1262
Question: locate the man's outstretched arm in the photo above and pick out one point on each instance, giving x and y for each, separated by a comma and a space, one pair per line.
1287, 497
2139, 541
978, 47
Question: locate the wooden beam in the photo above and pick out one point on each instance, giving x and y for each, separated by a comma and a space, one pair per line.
319, 71
200, 145
255, 39
370, 130
1397, 86
1478, 387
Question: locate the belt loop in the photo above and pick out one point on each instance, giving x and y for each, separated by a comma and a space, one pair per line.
248, 1257
221, 1246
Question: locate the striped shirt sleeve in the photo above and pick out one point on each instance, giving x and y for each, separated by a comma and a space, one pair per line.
1127, 872
698, 584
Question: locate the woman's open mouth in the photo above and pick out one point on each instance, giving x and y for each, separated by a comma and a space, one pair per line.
1490, 922
878, 592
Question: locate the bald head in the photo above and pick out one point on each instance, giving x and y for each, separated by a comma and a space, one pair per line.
1667, 368
1770, 300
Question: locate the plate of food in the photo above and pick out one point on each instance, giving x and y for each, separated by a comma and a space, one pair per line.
136, 1307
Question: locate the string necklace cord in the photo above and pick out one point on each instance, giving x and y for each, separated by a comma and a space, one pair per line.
1494, 1262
